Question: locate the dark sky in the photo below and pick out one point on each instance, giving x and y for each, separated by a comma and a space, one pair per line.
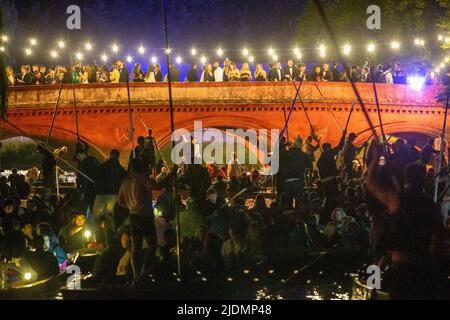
207, 24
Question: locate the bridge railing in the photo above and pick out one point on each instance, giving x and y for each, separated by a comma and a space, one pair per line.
219, 93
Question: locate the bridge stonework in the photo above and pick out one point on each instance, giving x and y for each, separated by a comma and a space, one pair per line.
104, 119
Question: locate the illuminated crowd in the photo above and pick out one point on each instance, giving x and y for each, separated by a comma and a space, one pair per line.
228, 70
377, 207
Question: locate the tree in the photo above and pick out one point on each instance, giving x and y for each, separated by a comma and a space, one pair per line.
400, 20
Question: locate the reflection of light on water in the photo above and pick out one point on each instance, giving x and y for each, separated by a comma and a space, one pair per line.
314, 294
263, 294
341, 296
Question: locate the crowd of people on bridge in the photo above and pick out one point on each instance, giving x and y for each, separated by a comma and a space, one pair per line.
212, 72
377, 206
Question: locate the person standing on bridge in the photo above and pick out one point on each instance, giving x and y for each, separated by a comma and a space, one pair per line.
192, 75
290, 72
218, 72
123, 71
114, 75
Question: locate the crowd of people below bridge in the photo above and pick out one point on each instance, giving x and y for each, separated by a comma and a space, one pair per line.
377, 206
212, 72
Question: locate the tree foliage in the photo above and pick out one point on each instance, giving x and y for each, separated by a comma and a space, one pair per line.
401, 20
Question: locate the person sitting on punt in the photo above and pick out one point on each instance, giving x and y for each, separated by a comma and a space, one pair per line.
73, 236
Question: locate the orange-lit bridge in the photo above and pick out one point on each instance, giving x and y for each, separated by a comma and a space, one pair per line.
104, 119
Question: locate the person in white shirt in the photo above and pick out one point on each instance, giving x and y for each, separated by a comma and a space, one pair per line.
218, 72
388, 75
150, 75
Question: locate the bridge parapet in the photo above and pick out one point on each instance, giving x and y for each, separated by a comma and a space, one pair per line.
220, 94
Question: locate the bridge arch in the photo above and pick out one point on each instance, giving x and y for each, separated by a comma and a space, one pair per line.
59, 135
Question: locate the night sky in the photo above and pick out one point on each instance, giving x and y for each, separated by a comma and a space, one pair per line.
206, 24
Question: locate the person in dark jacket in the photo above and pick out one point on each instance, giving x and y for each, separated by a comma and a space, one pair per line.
326, 73
48, 172
335, 71
145, 152
174, 73
327, 168
44, 263
25, 78
124, 73
349, 152
275, 72
158, 73
192, 75
109, 178
290, 72
293, 163
88, 165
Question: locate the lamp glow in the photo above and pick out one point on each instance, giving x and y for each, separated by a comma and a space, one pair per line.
193, 51
88, 46
28, 51
5, 38
440, 37
371, 47
347, 49
322, 51
53, 54
203, 59
442, 65
220, 52
79, 55
419, 42
245, 52
141, 50
416, 83
447, 59
2, 49
87, 234
168, 51
275, 58
395, 45
437, 70
298, 56
296, 51
33, 41
447, 39
179, 60
27, 276
129, 59
104, 57
61, 44
251, 59
271, 51
115, 48
154, 59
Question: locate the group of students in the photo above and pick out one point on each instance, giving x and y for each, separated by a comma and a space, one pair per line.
384, 214
215, 72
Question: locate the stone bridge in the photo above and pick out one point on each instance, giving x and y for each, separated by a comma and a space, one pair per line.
104, 121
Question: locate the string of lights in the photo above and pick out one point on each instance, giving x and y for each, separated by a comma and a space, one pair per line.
203, 56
